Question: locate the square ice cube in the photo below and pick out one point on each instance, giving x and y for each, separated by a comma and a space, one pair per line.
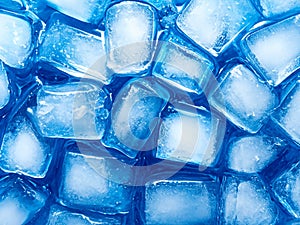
4, 87
287, 189
71, 110
274, 49
243, 98
130, 30
20, 200
181, 202
23, 150
212, 24
134, 116
90, 11
73, 50
181, 65
193, 136
287, 115
103, 188
247, 202
275, 8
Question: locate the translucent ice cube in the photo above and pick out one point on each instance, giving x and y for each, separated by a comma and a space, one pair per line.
243, 98
181, 202
90, 11
74, 51
247, 202
287, 189
274, 51
23, 151
97, 191
130, 32
71, 110
20, 200
190, 137
4, 87
214, 23
272, 8
134, 116
181, 65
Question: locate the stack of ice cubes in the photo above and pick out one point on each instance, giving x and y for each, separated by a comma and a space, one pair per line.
149, 112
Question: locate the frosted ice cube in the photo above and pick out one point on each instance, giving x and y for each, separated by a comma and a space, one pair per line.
287, 116
71, 110
212, 24
134, 116
16, 38
243, 98
251, 154
74, 51
182, 66
287, 189
190, 137
247, 202
272, 8
23, 151
274, 50
98, 191
181, 202
20, 200
90, 11
130, 32
4, 87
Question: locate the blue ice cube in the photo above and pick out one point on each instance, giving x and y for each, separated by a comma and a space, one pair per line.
181, 65
134, 116
243, 98
13, 4
130, 30
181, 202
71, 110
247, 202
90, 11
103, 188
23, 150
18, 37
287, 189
212, 24
274, 50
20, 200
73, 50
59, 215
252, 153
287, 115
275, 8
4, 87
190, 136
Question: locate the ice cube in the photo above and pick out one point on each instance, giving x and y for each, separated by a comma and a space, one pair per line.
181, 202
4, 87
71, 110
61, 216
181, 65
273, 50
212, 24
273, 8
23, 150
16, 39
99, 190
130, 33
134, 115
287, 116
247, 202
13, 4
72, 50
90, 11
190, 136
287, 189
252, 153
20, 200
243, 98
